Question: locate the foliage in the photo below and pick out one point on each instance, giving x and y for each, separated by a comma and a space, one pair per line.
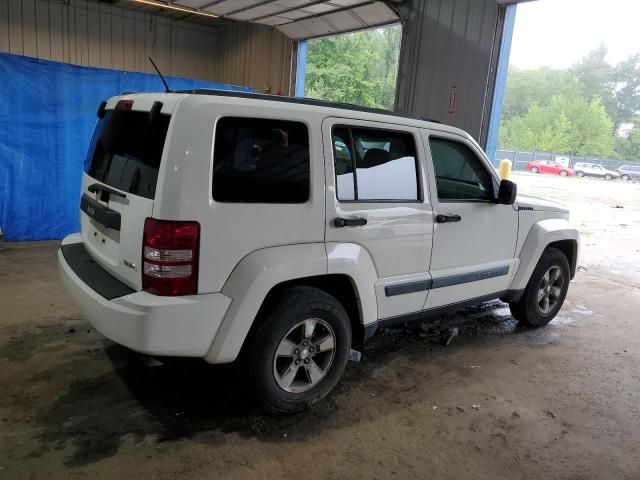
358, 68
582, 110
628, 147
578, 111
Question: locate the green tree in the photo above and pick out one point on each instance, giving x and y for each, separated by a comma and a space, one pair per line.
359, 68
567, 124
581, 110
597, 78
628, 147
527, 87
627, 91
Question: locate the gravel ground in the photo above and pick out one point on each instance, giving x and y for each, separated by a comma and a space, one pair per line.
501, 401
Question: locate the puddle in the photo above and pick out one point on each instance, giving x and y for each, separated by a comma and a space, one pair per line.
563, 320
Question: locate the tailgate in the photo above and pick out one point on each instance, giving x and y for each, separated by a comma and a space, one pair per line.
118, 186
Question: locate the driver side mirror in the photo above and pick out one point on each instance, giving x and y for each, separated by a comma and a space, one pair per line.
507, 192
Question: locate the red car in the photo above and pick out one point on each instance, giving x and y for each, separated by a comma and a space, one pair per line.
549, 166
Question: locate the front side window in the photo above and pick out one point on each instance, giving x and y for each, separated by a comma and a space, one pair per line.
375, 165
260, 161
460, 175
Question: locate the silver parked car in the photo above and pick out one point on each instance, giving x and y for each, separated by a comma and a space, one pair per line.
583, 169
629, 172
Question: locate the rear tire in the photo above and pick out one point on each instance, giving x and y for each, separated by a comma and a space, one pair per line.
534, 170
299, 349
545, 292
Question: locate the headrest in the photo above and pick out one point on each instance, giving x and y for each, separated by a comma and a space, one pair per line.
374, 157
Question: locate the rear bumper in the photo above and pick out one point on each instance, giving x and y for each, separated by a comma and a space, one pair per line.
172, 326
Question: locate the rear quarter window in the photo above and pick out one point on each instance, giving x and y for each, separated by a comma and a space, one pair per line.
259, 160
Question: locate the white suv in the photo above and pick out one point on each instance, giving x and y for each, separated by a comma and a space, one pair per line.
285, 231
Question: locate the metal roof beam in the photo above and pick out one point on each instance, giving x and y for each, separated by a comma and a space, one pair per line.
287, 10
337, 10
250, 7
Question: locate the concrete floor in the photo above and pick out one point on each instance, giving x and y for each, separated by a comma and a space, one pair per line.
500, 402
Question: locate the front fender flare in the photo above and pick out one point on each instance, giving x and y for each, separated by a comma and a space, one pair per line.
539, 237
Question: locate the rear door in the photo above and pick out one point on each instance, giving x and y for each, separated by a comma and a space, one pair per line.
377, 198
119, 183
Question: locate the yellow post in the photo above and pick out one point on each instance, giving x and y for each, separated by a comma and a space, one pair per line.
504, 171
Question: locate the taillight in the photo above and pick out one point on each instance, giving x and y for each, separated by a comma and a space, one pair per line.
170, 257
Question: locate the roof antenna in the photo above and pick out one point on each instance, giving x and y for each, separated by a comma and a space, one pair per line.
166, 86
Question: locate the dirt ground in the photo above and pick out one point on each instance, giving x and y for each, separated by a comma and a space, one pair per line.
501, 401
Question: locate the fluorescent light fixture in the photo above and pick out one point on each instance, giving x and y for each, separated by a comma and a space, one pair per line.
171, 6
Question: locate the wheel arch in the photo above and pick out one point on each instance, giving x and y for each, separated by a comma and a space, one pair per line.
340, 286
558, 233
260, 275
570, 249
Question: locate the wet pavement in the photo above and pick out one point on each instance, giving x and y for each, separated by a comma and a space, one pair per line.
501, 401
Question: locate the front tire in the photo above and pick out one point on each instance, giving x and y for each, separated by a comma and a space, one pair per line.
299, 350
563, 173
534, 170
608, 177
625, 178
545, 292
580, 174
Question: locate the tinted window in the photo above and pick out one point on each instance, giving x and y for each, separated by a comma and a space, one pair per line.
261, 161
460, 175
384, 161
126, 149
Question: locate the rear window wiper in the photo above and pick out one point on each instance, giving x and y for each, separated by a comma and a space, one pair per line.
96, 187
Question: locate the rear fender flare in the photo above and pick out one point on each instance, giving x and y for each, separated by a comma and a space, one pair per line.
250, 282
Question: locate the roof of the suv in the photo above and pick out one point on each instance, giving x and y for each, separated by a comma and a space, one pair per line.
169, 99
304, 101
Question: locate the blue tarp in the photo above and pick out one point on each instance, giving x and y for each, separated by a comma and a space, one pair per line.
47, 114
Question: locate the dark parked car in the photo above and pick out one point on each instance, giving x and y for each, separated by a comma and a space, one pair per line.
629, 172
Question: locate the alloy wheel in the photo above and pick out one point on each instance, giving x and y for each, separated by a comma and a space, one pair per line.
550, 289
304, 355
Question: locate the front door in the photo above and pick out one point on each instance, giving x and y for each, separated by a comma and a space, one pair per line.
474, 238
377, 200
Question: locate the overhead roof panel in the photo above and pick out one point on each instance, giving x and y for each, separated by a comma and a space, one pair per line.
194, 3
375, 13
301, 19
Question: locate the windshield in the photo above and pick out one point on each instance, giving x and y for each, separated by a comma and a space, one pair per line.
126, 149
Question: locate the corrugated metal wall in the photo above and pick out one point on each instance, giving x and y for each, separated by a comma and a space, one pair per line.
447, 61
84, 32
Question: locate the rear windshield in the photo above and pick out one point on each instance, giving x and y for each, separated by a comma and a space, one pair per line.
125, 151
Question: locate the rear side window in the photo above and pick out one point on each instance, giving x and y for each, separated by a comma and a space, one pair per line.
260, 161
460, 175
384, 162
126, 149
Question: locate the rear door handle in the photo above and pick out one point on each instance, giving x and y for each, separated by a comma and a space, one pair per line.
349, 222
448, 218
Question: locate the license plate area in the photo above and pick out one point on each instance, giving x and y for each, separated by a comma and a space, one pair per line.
99, 213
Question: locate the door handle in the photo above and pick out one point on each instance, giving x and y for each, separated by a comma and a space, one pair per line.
349, 222
448, 218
